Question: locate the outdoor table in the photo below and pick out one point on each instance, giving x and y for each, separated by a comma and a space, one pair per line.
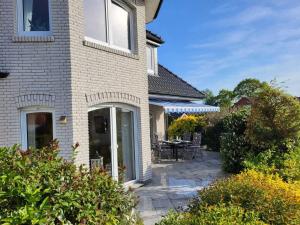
174, 145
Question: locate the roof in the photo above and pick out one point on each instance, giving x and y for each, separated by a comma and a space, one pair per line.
168, 83
154, 37
152, 8
244, 101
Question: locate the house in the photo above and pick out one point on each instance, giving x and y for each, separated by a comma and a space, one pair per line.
76, 71
168, 93
243, 101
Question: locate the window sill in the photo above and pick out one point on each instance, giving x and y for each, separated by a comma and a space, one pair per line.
110, 49
33, 39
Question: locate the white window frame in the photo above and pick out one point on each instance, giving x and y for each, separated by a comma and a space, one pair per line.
109, 34
20, 22
114, 146
30, 110
154, 60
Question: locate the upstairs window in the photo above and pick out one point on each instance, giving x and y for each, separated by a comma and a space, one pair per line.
110, 23
151, 59
34, 17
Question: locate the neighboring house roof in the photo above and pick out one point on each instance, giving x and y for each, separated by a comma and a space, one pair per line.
154, 37
244, 101
167, 83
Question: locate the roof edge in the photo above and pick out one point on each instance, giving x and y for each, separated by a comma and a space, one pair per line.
200, 92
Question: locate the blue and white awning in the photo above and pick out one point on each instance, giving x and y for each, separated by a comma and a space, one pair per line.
184, 106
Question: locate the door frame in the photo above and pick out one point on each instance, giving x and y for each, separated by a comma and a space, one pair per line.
113, 131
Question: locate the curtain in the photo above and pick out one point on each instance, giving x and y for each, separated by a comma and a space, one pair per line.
27, 14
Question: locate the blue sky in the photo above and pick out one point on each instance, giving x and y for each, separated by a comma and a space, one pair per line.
215, 43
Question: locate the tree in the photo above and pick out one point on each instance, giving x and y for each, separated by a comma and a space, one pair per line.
248, 88
225, 98
274, 120
210, 98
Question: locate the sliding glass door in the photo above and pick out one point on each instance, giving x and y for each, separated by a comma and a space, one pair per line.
112, 140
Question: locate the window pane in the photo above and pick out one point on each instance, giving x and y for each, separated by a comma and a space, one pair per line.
95, 19
36, 15
39, 129
150, 62
125, 139
120, 21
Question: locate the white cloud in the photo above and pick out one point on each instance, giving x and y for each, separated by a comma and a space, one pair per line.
261, 40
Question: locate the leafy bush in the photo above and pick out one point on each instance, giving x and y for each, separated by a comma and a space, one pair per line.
274, 120
234, 145
39, 187
275, 201
214, 129
186, 124
214, 215
291, 165
234, 150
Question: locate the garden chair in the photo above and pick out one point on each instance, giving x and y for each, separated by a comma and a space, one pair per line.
194, 151
160, 150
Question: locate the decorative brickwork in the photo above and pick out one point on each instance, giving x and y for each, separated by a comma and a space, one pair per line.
103, 97
35, 100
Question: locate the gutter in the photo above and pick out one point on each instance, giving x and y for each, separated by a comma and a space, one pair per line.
158, 9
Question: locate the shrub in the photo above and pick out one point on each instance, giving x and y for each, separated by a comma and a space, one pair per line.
186, 124
291, 165
234, 145
274, 120
234, 150
39, 187
214, 129
214, 215
275, 201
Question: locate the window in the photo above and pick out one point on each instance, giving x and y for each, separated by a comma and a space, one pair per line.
37, 128
151, 59
109, 22
34, 17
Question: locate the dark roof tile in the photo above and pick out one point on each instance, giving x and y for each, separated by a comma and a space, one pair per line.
167, 83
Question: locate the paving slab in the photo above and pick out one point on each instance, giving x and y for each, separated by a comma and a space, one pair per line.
174, 184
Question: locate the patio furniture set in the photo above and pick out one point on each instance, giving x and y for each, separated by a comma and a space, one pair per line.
177, 148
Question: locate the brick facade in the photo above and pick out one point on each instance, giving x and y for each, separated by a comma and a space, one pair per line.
69, 74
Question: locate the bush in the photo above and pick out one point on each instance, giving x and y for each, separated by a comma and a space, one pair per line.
234, 145
39, 187
214, 129
214, 215
274, 120
291, 165
234, 150
212, 136
186, 124
275, 201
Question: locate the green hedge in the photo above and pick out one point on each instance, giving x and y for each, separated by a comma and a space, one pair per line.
39, 187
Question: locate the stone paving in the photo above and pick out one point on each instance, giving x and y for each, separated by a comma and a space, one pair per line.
175, 183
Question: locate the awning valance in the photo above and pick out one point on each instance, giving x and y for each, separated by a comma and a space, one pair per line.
184, 106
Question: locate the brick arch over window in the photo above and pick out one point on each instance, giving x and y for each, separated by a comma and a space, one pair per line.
35, 100
104, 97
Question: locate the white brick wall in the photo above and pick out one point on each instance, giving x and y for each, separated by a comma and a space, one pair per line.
73, 72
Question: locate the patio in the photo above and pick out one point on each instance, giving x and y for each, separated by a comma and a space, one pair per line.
175, 183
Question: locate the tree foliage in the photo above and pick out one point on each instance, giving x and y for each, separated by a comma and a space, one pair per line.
186, 124
248, 88
274, 120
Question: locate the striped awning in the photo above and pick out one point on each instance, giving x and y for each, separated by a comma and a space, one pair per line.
184, 106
